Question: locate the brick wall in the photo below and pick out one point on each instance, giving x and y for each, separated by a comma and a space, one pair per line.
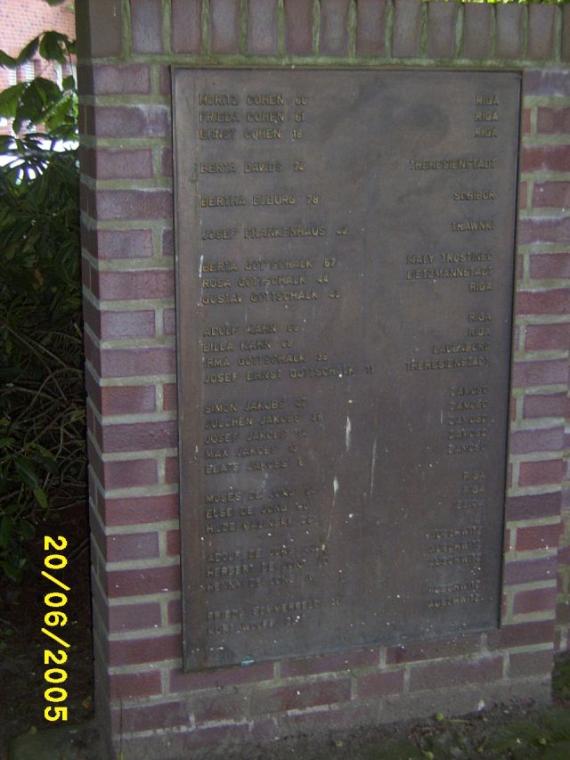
151, 707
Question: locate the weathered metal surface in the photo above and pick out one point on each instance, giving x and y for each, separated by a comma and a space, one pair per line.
345, 262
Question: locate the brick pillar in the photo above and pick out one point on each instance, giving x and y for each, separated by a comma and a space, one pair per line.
543, 318
148, 706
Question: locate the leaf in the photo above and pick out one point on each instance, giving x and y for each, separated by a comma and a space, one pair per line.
26, 472
39, 96
10, 98
26, 54
7, 61
54, 46
6, 530
28, 51
41, 497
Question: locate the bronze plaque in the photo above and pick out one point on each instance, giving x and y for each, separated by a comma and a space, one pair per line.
345, 257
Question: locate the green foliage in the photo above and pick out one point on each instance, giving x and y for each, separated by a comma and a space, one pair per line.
42, 413
41, 101
546, 736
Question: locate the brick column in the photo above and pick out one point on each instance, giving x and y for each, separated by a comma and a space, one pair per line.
148, 706
540, 382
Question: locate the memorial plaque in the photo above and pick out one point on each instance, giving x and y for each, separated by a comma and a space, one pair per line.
345, 247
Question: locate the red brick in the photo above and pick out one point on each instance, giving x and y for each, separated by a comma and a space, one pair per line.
140, 437
127, 324
547, 82
330, 663
334, 27
131, 399
221, 678
124, 244
225, 26
170, 400
534, 506
99, 28
132, 617
432, 650
186, 26
299, 27
171, 470
529, 570
126, 286
543, 405
371, 27
299, 696
124, 164
375, 685
551, 195
536, 600
146, 25
135, 685
552, 158
442, 18
444, 674
345, 717
550, 266
144, 581
131, 362
132, 121
140, 510
123, 547
549, 338
542, 302
134, 204
169, 322
526, 124
553, 121
521, 634
173, 543
538, 537
262, 27
530, 664
528, 441
166, 164
477, 38
540, 473
527, 374
509, 31
174, 613
222, 705
541, 28
182, 744
130, 79
407, 29
167, 243
130, 473
147, 717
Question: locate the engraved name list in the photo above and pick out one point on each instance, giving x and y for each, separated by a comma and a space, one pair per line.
344, 285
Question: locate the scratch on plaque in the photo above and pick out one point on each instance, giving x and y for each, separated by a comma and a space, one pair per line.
201, 264
329, 529
373, 466
348, 432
